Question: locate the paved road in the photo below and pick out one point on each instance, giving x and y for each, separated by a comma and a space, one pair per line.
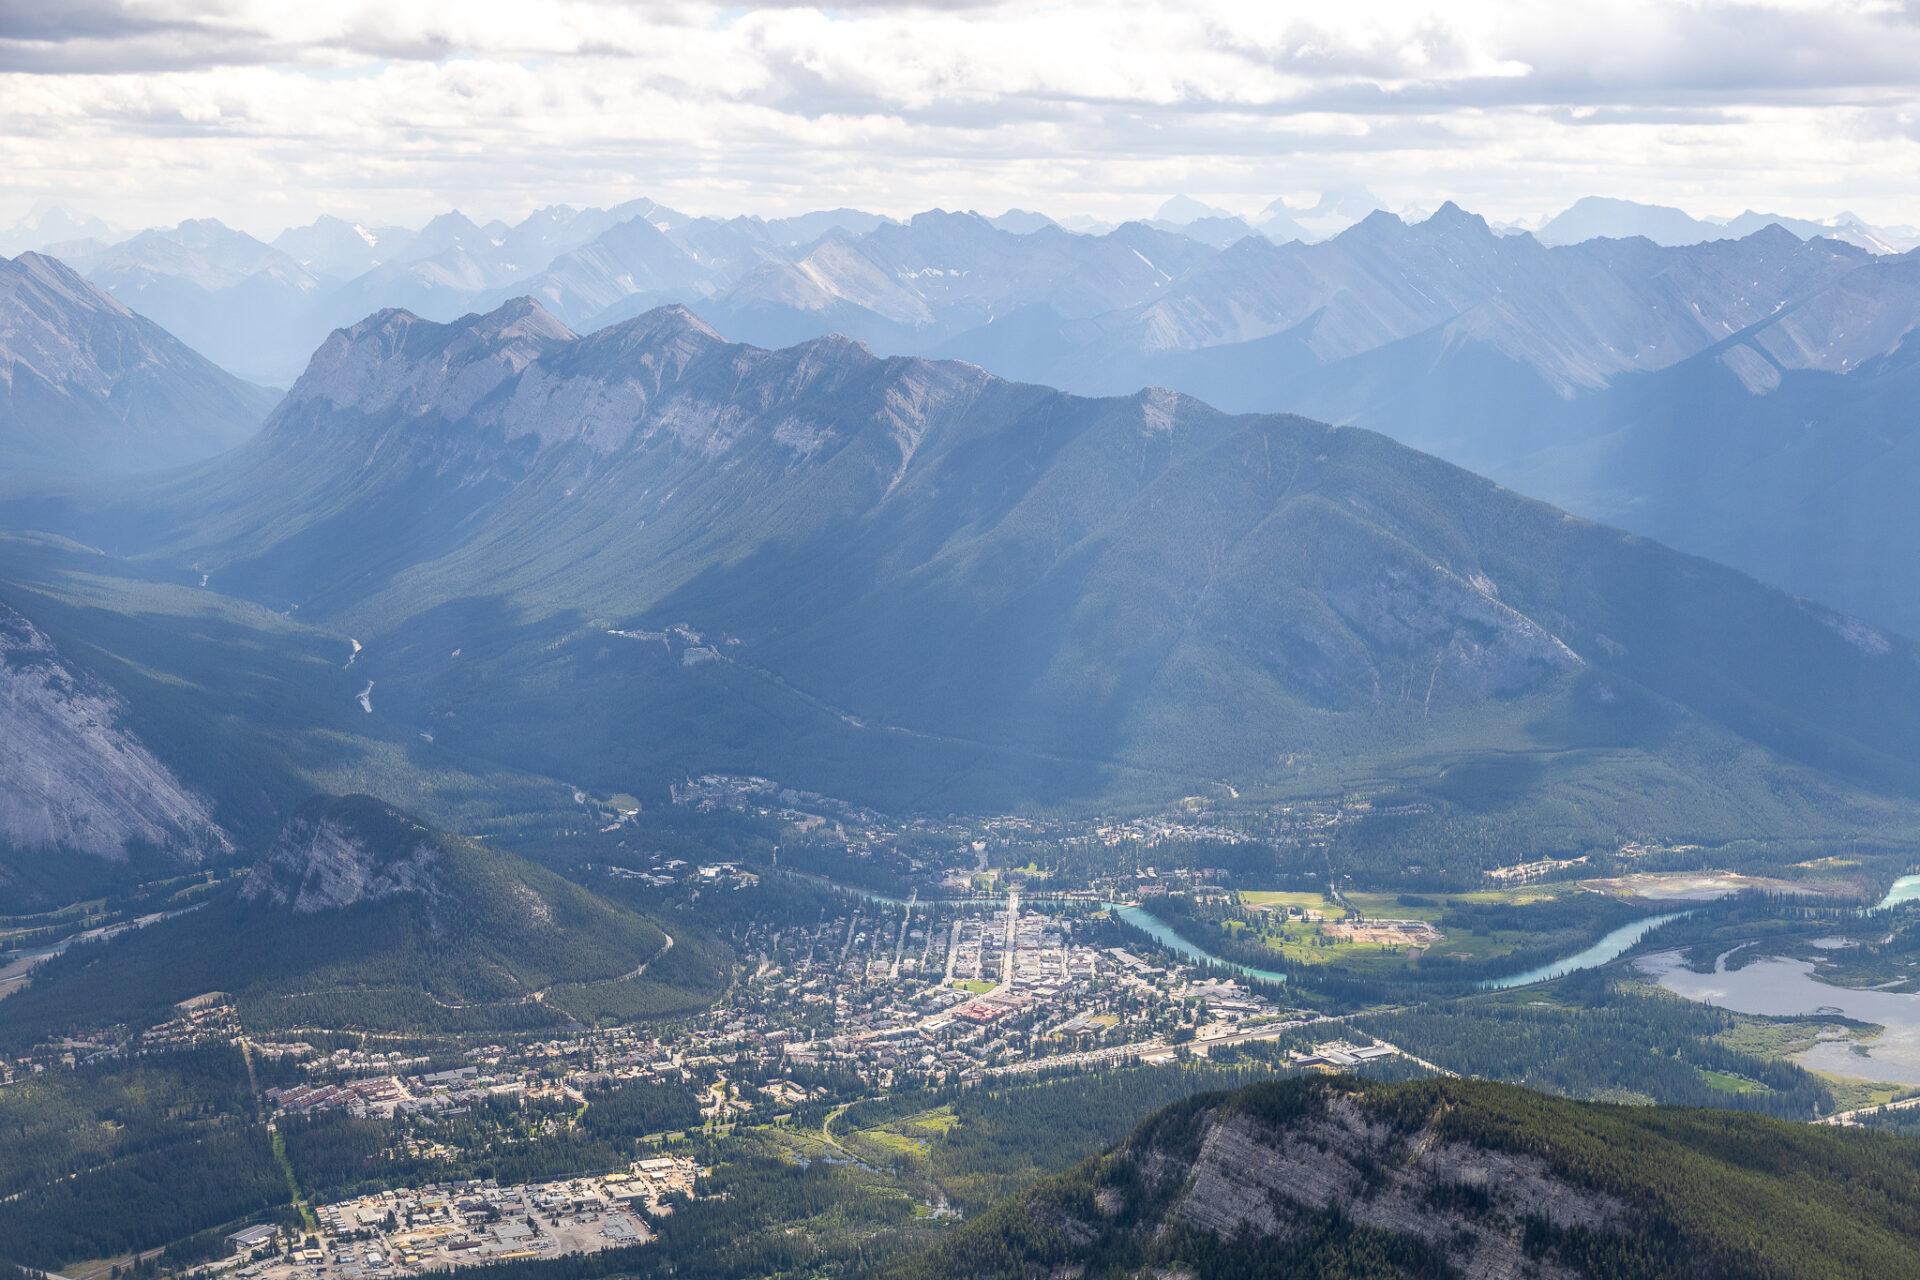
102, 1268
1155, 1046
1853, 1117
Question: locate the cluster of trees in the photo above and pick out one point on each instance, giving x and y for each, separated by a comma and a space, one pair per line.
891, 869
1004, 1138
1721, 1193
636, 1108
513, 1139
221, 1174
1602, 1039
61, 1123
689, 977
336, 1155
130, 1154
1078, 862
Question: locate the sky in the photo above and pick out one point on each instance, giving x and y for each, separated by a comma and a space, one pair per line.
265, 113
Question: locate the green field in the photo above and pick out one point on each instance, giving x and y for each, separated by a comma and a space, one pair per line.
1726, 1082
1284, 898
1480, 926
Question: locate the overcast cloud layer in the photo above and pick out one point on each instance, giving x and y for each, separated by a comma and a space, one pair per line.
264, 113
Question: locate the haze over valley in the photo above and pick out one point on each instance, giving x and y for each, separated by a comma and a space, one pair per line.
1334, 690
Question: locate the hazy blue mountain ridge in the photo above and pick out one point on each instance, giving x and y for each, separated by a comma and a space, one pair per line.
647, 551
91, 389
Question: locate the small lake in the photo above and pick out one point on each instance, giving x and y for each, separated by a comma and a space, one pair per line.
1611, 947
1163, 934
1778, 986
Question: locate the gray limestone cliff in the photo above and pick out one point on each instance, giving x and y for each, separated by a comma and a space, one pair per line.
73, 776
341, 852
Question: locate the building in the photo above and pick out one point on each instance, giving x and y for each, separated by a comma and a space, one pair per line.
247, 1239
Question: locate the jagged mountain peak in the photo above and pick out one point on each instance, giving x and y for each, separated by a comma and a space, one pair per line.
1375, 225
452, 219
204, 227
519, 372
518, 318
1451, 216
836, 346
672, 324
1772, 235
33, 272
394, 358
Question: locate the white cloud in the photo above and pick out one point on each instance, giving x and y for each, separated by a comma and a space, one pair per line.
150, 110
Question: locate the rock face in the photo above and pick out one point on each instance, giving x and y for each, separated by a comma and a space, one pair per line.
1251, 1176
1334, 1176
89, 388
337, 853
73, 777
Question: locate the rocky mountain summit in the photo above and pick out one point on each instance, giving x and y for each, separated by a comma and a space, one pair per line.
1450, 1178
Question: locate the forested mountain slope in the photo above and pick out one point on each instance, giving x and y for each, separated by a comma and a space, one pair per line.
361, 916
648, 552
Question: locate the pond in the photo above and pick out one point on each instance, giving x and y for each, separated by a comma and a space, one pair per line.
1778, 986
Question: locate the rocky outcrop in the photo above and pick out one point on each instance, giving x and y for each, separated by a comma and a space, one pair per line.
73, 776
395, 360
1467, 1179
334, 854
1465, 1199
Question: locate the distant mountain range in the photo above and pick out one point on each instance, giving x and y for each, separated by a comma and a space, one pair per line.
259, 309
1339, 1177
1540, 361
647, 552
1597, 217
